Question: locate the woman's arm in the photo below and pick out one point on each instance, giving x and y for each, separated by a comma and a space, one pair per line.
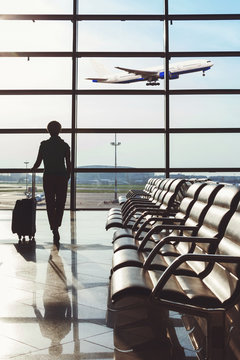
68, 164
38, 161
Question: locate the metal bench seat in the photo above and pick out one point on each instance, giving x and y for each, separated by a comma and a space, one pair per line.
209, 291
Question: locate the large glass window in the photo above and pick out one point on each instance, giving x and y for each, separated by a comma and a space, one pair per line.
223, 74
121, 7
120, 36
205, 35
204, 150
36, 7
35, 111
17, 186
105, 73
35, 73
132, 150
99, 190
121, 111
203, 7
36, 36
205, 111
22, 148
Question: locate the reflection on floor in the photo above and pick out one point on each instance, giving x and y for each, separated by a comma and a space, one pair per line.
53, 302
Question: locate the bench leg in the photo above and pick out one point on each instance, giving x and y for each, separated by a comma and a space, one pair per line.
215, 335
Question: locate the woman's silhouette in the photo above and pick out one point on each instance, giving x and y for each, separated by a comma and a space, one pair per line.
55, 153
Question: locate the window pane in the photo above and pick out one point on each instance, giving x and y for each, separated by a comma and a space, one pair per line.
199, 111
204, 35
120, 36
17, 186
34, 111
204, 150
120, 111
36, 36
97, 190
37, 73
135, 150
22, 148
105, 68
224, 74
203, 7
121, 7
36, 7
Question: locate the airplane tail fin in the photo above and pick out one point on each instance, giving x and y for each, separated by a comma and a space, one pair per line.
100, 70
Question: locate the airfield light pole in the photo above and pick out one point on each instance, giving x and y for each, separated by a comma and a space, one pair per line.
115, 144
26, 163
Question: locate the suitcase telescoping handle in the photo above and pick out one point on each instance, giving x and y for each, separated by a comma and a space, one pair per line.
33, 184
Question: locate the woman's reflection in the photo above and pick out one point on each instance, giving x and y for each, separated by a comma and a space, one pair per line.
56, 322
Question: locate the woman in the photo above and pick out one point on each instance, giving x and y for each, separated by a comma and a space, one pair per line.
55, 154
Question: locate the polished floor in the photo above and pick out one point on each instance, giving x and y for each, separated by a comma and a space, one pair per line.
53, 301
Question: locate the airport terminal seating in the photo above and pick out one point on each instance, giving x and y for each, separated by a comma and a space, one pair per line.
191, 211
165, 200
139, 193
134, 251
201, 279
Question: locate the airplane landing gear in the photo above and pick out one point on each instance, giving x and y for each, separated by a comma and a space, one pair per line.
203, 74
152, 83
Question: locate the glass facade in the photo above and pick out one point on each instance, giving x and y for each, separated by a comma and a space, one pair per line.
187, 125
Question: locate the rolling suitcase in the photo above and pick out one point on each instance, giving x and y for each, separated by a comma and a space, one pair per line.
24, 217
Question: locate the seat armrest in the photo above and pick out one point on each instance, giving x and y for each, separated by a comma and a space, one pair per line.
189, 257
155, 219
159, 228
168, 239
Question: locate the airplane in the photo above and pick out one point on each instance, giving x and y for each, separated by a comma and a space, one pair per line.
151, 75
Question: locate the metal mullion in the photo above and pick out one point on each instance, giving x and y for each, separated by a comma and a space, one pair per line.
120, 130
160, 54
199, 17
133, 170
120, 17
211, 169
204, 53
166, 85
204, 130
29, 54
74, 105
29, 131
83, 17
120, 92
34, 17
35, 92
205, 92
119, 170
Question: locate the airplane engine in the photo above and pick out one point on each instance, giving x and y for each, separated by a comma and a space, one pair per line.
161, 75
173, 76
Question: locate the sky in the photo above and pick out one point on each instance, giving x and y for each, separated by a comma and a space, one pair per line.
120, 111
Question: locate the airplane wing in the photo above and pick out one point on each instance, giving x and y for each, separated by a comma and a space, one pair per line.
138, 72
97, 79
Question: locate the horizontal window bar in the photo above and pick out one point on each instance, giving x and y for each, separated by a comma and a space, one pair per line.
202, 53
101, 54
190, 17
203, 130
88, 170
132, 170
85, 130
120, 17
120, 92
124, 131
